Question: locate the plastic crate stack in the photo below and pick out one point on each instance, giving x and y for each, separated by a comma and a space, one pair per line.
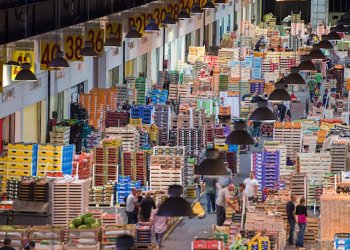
189, 172
257, 86
282, 149
166, 167
107, 158
232, 159
129, 136
257, 68
12, 188
144, 138
82, 166
97, 102
339, 150
69, 200
117, 119
174, 76
162, 118
315, 165
153, 133
266, 129
159, 96
183, 121
141, 167
223, 82
92, 140
162, 77
102, 195
314, 193
131, 89
55, 159
289, 134
141, 91
192, 139
122, 94
60, 135
30, 189
146, 113
226, 55
266, 168
21, 160
286, 62
123, 188
143, 235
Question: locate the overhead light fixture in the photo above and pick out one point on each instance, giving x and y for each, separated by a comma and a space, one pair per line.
294, 78
59, 61
112, 41
183, 14
307, 66
325, 44
25, 74
88, 50
168, 19
133, 33
151, 26
262, 113
343, 21
333, 36
125, 241
209, 5
339, 28
317, 54
175, 205
240, 135
220, 2
279, 94
211, 165
13, 63
196, 9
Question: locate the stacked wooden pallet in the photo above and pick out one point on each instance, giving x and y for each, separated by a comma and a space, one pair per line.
129, 135
298, 185
315, 165
289, 134
60, 135
111, 232
339, 151
161, 178
312, 230
69, 200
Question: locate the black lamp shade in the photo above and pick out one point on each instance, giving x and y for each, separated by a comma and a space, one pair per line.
324, 44
125, 242
240, 135
317, 55
168, 19
333, 36
59, 62
343, 21
133, 33
211, 167
112, 41
262, 113
196, 9
294, 78
175, 205
339, 28
209, 5
220, 2
183, 14
88, 50
307, 66
13, 63
279, 95
151, 26
25, 74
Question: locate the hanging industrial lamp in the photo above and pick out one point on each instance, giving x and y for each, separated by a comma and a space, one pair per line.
196, 9
343, 21
168, 19
339, 28
294, 78
209, 5
220, 2
262, 113
151, 26
88, 50
317, 54
13, 63
175, 205
307, 66
183, 14
211, 165
59, 62
240, 135
333, 36
279, 94
133, 33
325, 44
112, 41
25, 74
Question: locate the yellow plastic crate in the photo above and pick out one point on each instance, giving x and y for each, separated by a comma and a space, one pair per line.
22, 153
53, 148
19, 166
3, 172
221, 147
20, 146
135, 121
45, 160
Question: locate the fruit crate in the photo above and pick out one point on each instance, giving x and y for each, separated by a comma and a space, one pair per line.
87, 239
111, 232
47, 237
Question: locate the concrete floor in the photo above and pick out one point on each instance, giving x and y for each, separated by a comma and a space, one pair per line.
188, 229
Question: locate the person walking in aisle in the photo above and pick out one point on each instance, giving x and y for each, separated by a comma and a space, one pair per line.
301, 212
159, 225
130, 209
210, 194
290, 208
312, 85
221, 202
251, 186
318, 78
146, 206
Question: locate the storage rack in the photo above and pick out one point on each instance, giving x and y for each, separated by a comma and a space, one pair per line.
69, 200
289, 134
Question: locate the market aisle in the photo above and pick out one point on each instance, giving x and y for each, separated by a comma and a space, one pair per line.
188, 229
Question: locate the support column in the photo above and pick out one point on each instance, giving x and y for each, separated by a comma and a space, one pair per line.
102, 80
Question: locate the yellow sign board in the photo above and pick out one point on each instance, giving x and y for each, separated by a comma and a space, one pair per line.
73, 44
48, 50
115, 28
22, 56
96, 37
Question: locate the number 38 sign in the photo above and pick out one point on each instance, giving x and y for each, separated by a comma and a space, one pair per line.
22, 56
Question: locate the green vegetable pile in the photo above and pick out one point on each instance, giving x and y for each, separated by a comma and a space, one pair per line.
84, 221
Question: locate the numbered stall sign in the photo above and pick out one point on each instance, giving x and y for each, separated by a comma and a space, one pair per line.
48, 51
187, 4
114, 28
73, 44
96, 37
22, 56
